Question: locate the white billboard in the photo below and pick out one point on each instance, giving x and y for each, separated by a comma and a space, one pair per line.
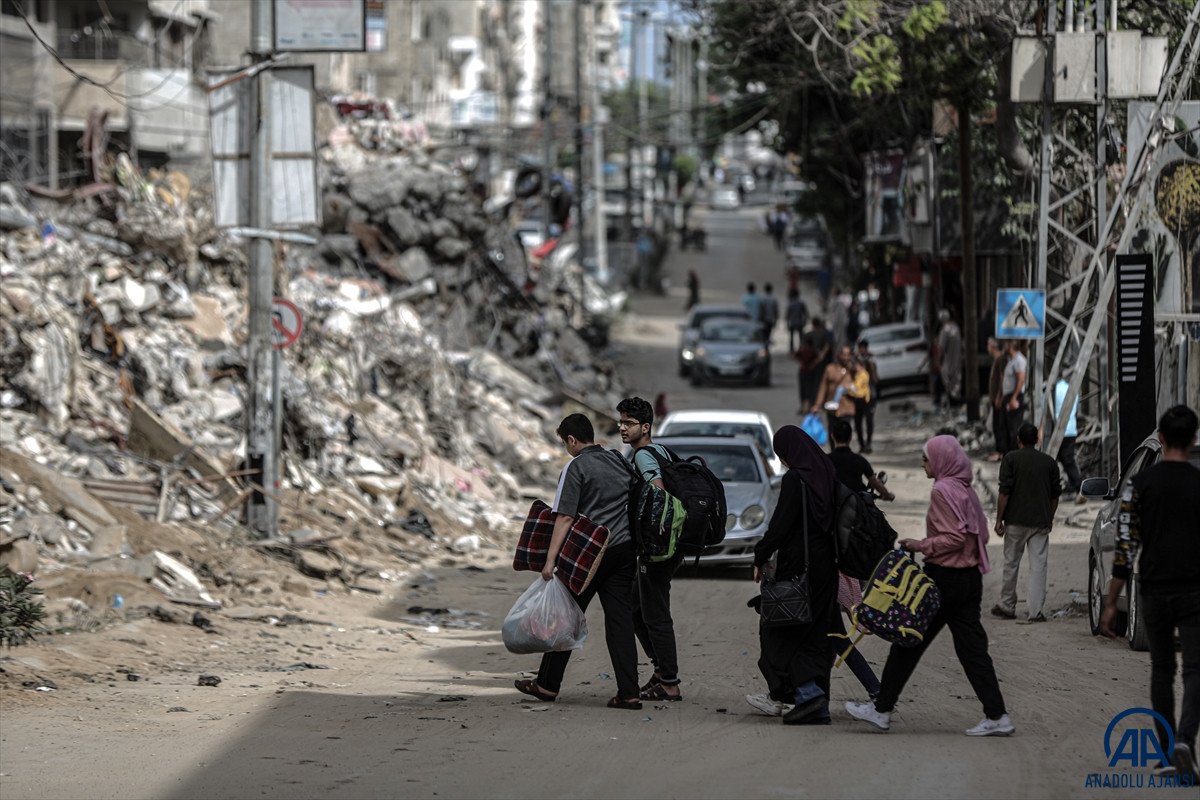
320, 25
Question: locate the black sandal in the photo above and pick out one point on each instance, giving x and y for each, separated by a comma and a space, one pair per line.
656, 691
628, 705
530, 687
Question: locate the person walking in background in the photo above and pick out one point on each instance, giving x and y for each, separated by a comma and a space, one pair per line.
769, 305
950, 343
752, 302
1160, 517
999, 354
1029, 489
852, 470
866, 360
652, 622
693, 287
1066, 452
797, 318
860, 395
834, 392
815, 353
594, 484
796, 660
1012, 387
955, 550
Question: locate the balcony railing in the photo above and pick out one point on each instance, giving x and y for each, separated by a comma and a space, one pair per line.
103, 47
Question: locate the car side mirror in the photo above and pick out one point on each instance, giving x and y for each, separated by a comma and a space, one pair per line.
1095, 487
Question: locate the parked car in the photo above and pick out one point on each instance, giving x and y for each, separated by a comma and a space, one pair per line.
724, 197
750, 491
901, 353
731, 349
720, 422
690, 330
806, 245
1103, 543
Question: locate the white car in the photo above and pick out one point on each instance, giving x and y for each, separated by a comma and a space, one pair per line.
725, 197
719, 422
901, 352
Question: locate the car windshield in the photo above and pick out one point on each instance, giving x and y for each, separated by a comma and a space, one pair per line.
753, 430
700, 317
731, 463
729, 330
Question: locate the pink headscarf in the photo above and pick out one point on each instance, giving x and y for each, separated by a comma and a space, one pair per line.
952, 480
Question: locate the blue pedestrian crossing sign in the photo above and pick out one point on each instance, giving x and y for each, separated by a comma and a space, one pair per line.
1020, 314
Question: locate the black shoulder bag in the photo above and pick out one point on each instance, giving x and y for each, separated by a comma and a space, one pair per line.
785, 602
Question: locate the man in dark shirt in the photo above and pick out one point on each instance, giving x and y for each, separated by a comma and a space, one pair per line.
852, 469
1160, 515
1029, 490
594, 484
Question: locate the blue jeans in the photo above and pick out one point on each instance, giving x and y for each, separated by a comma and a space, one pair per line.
857, 661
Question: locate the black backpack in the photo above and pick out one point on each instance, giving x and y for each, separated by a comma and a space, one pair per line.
702, 495
861, 533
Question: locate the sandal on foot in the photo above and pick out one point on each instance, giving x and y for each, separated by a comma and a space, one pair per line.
650, 684
628, 705
531, 688
657, 692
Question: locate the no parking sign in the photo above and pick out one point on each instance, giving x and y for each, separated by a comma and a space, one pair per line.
286, 323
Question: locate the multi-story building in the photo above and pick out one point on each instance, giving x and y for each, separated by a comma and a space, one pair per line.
123, 71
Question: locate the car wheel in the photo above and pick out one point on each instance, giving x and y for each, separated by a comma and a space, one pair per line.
1135, 629
1095, 593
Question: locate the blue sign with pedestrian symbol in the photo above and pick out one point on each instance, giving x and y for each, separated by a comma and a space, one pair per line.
1020, 314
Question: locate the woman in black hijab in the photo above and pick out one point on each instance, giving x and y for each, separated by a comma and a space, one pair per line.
796, 660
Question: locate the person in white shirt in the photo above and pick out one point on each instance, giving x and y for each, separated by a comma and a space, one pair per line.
1066, 453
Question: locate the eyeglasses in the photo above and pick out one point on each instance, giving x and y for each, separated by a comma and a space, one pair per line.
630, 423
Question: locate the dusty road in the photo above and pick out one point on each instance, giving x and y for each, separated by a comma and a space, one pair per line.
426, 709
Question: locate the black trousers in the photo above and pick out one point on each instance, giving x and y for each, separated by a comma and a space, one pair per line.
652, 620
999, 429
1013, 419
864, 412
962, 593
1163, 614
1066, 457
614, 584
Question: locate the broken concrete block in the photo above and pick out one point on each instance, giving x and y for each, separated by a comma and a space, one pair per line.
450, 249
407, 230
317, 565
208, 325
378, 188
413, 265
179, 583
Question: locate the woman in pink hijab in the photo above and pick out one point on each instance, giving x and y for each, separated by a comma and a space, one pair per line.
955, 551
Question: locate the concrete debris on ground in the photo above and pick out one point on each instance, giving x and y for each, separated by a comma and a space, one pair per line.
418, 403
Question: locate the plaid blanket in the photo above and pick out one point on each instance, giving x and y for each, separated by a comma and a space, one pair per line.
581, 552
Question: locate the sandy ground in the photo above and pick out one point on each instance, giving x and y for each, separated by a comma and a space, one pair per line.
359, 696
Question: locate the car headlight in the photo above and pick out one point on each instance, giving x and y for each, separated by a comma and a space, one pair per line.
730, 522
688, 355
753, 516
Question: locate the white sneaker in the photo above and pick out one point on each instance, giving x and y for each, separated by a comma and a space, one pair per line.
992, 727
867, 713
766, 705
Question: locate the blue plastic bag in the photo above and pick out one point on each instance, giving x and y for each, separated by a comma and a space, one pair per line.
814, 427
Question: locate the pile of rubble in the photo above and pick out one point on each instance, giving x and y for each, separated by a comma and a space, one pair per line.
419, 403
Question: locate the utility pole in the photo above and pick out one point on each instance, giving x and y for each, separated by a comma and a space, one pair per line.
262, 448
642, 114
600, 231
1037, 363
635, 35
577, 19
1101, 208
547, 110
967, 216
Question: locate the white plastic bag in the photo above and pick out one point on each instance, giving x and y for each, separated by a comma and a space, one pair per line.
546, 618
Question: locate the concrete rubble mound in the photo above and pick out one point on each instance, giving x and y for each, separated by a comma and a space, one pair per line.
419, 403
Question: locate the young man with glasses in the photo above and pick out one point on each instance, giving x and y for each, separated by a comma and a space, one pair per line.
652, 620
